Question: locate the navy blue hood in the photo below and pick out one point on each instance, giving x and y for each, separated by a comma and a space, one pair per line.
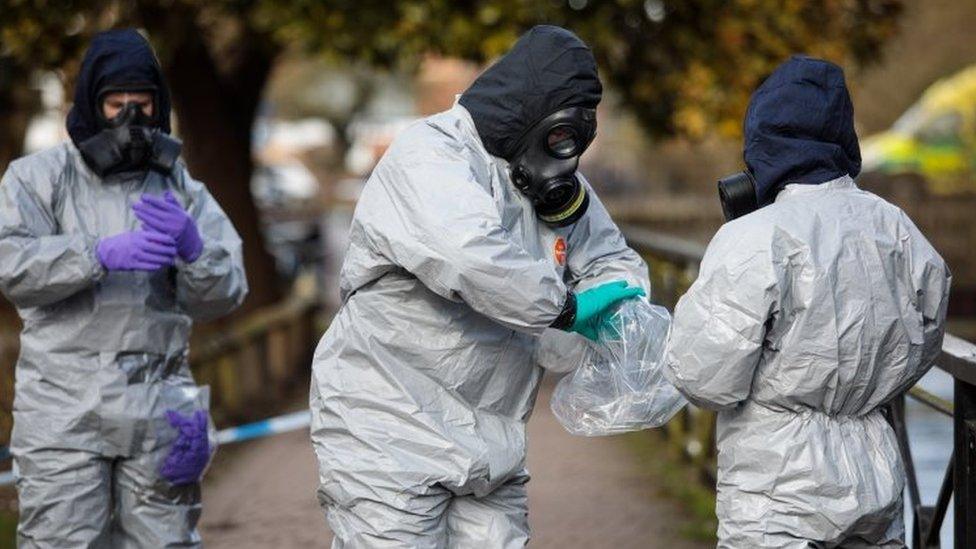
799, 127
548, 69
117, 58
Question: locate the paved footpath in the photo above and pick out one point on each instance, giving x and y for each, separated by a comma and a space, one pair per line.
584, 493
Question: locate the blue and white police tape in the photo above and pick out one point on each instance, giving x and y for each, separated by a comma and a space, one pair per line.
259, 429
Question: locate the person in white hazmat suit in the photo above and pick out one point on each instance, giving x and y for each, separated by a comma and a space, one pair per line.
807, 317
109, 249
474, 242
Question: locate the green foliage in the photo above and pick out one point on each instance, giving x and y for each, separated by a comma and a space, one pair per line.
43, 34
689, 67
676, 480
399, 33
683, 66
8, 529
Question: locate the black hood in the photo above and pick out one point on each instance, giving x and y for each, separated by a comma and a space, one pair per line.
799, 127
117, 58
548, 69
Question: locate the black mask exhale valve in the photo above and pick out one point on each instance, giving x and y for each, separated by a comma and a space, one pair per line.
737, 193
544, 168
130, 142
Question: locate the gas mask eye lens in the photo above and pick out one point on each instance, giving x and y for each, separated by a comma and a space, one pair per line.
562, 142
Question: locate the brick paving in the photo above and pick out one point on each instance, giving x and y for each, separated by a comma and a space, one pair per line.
587, 493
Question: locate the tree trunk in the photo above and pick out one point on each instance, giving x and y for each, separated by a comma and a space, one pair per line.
217, 148
215, 113
18, 103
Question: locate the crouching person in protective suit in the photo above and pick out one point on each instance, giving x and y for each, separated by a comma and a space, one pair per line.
474, 244
808, 315
108, 249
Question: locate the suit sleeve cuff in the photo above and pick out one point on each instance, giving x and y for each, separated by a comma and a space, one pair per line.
567, 317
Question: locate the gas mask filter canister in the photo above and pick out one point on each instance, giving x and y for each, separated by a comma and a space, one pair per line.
737, 194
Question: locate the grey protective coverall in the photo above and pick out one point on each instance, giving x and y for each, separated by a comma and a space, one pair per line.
104, 354
424, 382
807, 316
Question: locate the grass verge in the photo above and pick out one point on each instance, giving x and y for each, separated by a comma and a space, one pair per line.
678, 481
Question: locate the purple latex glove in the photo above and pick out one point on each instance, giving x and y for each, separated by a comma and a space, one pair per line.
165, 215
190, 453
136, 251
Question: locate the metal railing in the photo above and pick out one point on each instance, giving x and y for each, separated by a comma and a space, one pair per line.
674, 266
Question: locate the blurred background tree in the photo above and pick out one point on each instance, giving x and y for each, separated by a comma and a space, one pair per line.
26, 48
682, 67
689, 68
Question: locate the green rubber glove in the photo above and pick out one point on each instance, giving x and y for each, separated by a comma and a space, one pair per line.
592, 303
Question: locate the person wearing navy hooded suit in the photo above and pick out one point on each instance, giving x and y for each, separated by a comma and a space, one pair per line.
807, 317
109, 250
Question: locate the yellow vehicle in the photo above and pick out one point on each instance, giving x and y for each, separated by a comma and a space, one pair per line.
934, 139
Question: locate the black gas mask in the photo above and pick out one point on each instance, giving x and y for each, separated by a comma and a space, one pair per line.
737, 193
544, 166
130, 142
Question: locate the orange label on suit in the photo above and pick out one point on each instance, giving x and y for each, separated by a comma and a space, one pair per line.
559, 251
